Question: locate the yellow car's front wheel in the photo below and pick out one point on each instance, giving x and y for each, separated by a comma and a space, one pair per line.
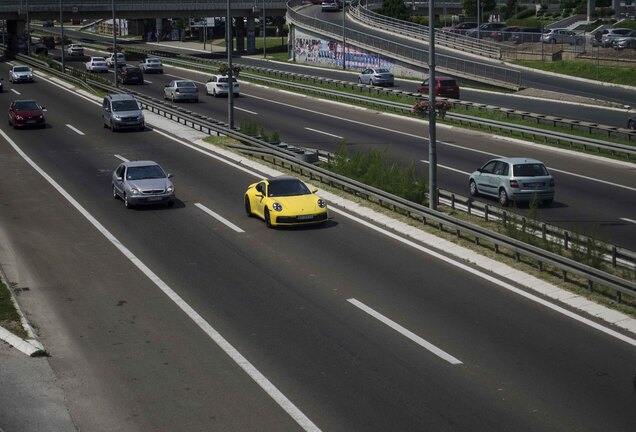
248, 207
268, 220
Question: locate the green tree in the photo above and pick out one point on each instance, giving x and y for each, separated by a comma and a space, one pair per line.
511, 8
470, 7
395, 9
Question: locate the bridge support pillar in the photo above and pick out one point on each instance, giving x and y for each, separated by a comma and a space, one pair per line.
15, 37
251, 36
239, 28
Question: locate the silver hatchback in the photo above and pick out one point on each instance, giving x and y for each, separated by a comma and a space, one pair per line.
142, 182
513, 179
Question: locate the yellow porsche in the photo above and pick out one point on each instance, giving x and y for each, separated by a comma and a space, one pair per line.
285, 201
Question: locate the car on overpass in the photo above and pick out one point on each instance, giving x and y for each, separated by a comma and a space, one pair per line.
329, 6
513, 180
20, 73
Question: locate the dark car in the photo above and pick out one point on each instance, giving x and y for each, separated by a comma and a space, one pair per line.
40, 48
49, 41
461, 28
444, 87
505, 33
527, 34
130, 75
26, 113
485, 30
631, 122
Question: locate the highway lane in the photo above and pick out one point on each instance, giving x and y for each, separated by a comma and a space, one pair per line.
313, 123
282, 298
555, 106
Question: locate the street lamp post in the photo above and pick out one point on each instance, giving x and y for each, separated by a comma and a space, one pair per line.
28, 23
432, 143
228, 41
62, 36
114, 44
264, 33
344, 31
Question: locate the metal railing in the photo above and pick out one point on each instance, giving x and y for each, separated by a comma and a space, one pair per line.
444, 222
491, 74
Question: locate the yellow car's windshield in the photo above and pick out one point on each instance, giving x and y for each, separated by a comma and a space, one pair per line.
287, 187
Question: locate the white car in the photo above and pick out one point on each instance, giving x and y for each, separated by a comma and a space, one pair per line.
97, 64
151, 65
75, 50
20, 73
110, 61
218, 85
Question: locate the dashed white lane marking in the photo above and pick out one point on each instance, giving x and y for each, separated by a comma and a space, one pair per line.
448, 168
404, 332
629, 220
16, 92
247, 111
121, 158
288, 406
324, 133
219, 217
74, 129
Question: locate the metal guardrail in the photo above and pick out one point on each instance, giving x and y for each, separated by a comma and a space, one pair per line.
493, 75
442, 221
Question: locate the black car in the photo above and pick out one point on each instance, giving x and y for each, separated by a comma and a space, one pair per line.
631, 122
527, 34
130, 75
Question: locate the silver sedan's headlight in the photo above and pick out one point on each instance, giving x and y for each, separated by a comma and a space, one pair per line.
135, 191
276, 206
170, 189
117, 117
322, 203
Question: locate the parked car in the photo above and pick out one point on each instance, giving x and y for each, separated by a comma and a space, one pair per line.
129, 74
39, 48
562, 36
376, 76
181, 90
142, 182
329, 6
631, 122
48, 41
626, 41
218, 85
151, 65
75, 50
505, 33
58, 39
444, 87
96, 64
513, 179
26, 113
285, 201
47, 23
612, 34
485, 30
110, 60
122, 111
460, 28
527, 34
20, 73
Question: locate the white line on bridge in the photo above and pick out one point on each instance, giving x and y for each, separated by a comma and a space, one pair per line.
219, 217
121, 158
324, 133
247, 111
15, 91
404, 332
77, 131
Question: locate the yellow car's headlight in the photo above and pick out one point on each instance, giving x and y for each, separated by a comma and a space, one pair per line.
322, 203
276, 206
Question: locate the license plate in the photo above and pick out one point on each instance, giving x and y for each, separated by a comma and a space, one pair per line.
305, 217
535, 185
30, 121
154, 199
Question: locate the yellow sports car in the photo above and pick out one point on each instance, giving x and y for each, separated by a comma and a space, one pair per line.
285, 201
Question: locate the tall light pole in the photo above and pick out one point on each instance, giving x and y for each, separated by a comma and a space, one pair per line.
114, 44
478, 20
264, 33
230, 83
28, 23
62, 36
432, 113
344, 31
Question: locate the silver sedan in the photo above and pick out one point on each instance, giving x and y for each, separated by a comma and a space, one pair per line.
181, 90
142, 182
376, 76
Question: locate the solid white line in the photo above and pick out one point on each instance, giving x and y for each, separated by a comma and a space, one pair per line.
291, 409
123, 159
219, 217
146, 81
324, 133
448, 168
490, 279
77, 131
247, 111
15, 91
629, 220
404, 332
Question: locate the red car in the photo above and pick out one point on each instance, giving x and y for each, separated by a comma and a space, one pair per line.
444, 87
25, 113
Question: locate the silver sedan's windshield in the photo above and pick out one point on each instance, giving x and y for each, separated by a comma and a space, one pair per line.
145, 172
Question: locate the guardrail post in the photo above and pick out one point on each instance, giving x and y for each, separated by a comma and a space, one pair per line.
496, 248
566, 239
453, 201
590, 285
565, 275
469, 208
523, 225
540, 266
543, 231
477, 240
504, 217
517, 256
614, 256
486, 212
458, 234
619, 297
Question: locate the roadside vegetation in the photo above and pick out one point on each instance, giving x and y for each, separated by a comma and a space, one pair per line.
9, 317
